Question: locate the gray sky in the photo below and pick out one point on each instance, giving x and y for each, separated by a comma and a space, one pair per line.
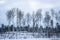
26, 6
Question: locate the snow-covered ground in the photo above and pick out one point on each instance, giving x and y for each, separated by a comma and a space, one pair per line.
13, 35
17, 35
25, 36
34, 39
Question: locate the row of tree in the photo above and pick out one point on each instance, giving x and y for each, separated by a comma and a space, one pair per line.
32, 22
40, 29
34, 18
47, 30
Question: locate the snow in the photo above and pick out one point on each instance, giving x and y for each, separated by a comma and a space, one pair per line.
34, 39
24, 36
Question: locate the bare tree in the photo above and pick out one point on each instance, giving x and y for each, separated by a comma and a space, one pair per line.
10, 17
39, 15
47, 21
13, 15
52, 13
9, 13
33, 19
17, 10
19, 16
28, 17
47, 18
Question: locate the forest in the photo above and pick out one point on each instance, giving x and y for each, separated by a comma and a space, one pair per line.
34, 22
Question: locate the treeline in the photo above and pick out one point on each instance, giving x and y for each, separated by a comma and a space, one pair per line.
47, 29
49, 32
33, 19
32, 22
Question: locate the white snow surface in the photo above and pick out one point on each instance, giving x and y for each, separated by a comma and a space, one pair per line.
24, 36
34, 39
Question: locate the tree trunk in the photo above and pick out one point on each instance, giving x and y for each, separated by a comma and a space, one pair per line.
9, 25
13, 24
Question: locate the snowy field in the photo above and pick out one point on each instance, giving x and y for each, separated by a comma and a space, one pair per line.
34, 39
25, 36
17, 35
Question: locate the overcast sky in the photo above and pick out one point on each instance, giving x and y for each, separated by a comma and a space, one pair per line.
26, 6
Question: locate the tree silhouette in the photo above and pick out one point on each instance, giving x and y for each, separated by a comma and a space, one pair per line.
10, 16
19, 16
13, 15
52, 14
33, 20
28, 17
47, 18
39, 15
9, 13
